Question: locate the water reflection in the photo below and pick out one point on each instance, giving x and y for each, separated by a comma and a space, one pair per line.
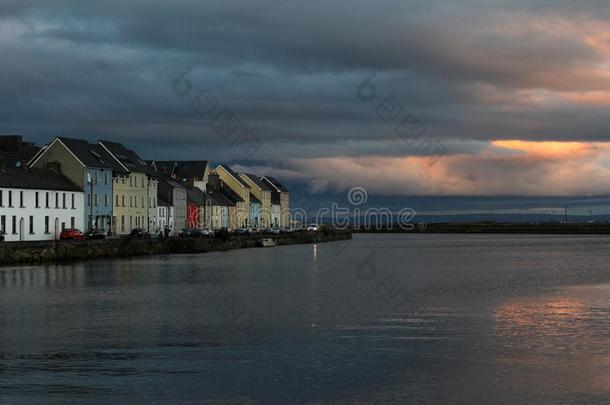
566, 333
489, 325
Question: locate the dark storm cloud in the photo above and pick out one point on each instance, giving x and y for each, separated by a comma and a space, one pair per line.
470, 71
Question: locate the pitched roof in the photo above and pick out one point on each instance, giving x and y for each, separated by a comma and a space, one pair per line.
90, 155
235, 175
230, 194
217, 198
195, 196
263, 185
14, 159
184, 169
163, 166
126, 157
276, 184
38, 179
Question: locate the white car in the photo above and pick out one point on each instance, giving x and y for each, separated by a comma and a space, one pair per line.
207, 232
313, 227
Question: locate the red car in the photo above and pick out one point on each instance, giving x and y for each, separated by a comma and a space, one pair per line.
71, 234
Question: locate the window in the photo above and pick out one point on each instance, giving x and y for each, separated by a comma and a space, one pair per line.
72, 198
105, 200
14, 225
1, 199
122, 222
56, 200
123, 198
21, 199
63, 200
31, 225
143, 204
89, 199
46, 225
117, 200
106, 178
95, 178
131, 201
37, 200
96, 200
130, 222
47, 200
10, 199
3, 223
72, 223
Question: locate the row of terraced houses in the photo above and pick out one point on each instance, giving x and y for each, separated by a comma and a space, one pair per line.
73, 183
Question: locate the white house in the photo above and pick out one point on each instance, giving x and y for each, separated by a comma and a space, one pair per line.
165, 217
36, 204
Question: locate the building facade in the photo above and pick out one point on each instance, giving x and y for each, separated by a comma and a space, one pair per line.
262, 193
282, 197
132, 189
91, 168
240, 215
37, 204
175, 196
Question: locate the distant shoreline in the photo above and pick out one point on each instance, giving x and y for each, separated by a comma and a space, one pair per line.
36, 253
501, 228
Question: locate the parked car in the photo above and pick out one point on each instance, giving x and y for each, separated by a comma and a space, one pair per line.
95, 234
190, 233
207, 232
139, 233
313, 227
272, 231
243, 231
71, 234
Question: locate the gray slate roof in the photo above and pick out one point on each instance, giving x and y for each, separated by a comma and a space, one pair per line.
183, 169
195, 196
217, 198
37, 179
91, 155
127, 157
272, 181
263, 185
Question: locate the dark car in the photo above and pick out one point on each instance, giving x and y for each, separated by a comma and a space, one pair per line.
139, 233
71, 234
191, 233
95, 234
196, 233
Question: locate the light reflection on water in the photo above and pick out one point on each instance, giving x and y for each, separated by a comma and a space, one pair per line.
499, 319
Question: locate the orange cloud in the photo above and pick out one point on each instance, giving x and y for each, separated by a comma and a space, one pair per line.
549, 149
528, 169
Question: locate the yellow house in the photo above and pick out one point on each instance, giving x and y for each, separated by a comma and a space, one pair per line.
240, 215
281, 194
262, 191
131, 191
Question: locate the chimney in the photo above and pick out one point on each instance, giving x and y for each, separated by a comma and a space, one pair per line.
213, 182
55, 166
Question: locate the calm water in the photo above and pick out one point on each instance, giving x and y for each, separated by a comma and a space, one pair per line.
382, 318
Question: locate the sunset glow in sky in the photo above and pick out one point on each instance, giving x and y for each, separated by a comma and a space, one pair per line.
517, 93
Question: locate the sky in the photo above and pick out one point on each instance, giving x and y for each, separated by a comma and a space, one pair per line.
447, 99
